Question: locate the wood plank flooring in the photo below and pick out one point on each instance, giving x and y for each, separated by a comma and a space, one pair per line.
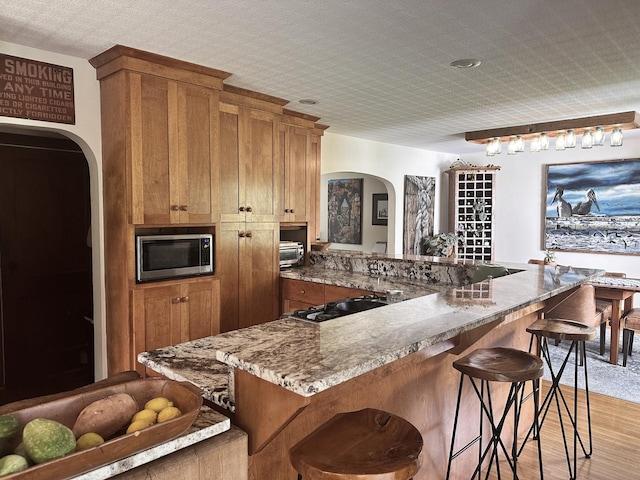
616, 441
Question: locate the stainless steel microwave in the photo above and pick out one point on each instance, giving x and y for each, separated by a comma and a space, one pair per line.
161, 257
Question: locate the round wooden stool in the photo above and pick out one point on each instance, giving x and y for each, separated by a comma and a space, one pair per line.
364, 445
497, 364
577, 333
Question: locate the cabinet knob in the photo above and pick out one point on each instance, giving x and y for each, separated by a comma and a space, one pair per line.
241, 208
241, 234
249, 209
302, 292
175, 208
286, 210
292, 210
175, 300
183, 208
184, 299
248, 234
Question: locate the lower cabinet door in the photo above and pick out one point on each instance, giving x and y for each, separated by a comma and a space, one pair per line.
173, 312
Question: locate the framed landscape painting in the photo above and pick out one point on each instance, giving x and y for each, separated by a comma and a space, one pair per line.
593, 207
345, 211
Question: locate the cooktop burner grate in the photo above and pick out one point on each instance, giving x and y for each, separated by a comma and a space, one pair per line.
340, 308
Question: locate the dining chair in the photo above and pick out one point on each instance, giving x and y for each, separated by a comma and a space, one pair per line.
630, 324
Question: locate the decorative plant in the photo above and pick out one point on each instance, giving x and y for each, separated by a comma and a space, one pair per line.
549, 256
441, 245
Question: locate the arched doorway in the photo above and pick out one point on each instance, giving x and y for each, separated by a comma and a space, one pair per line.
46, 265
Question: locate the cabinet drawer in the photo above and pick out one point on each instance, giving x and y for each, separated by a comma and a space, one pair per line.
333, 293
306, 292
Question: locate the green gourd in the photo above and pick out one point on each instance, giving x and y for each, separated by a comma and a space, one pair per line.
8, 426
12, 463
46, 439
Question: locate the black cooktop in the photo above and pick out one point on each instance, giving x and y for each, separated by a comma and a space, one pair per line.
340, 308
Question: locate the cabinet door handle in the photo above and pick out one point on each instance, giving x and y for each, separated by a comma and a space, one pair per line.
241, 234
292, 210
175, 208
248, 234
184, 299
286, 210
302, 292
183, 208
175, 300
249, 209
241, 208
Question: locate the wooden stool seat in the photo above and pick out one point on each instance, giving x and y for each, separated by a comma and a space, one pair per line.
364, 445
560, 329
500, 364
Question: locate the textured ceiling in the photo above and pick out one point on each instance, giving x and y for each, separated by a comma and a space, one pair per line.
379, 69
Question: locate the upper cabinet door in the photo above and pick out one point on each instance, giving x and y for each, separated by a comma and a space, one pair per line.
261, 165
294, 150
249, 165
173, 147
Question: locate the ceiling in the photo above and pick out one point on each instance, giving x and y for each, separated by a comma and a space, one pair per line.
379, 69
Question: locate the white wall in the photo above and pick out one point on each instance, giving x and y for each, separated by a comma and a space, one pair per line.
520, 209
86, 133
389, 163
520, 192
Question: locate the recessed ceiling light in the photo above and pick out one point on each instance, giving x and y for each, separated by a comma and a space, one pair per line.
308, 101
465, 63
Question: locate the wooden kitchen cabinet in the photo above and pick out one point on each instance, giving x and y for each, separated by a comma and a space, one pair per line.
248, 165
247, 262
300, 294
173, 312
174, 138
294, 145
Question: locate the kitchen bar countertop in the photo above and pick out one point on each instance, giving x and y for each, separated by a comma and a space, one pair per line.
307, 358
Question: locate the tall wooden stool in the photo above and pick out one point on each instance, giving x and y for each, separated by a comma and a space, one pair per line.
364, 445
497, 364
577, 333
630, 324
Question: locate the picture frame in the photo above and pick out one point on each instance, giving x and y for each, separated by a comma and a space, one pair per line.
419, 195
593, 207
345, 210
380, 209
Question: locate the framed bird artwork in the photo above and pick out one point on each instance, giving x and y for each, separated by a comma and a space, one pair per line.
593, 207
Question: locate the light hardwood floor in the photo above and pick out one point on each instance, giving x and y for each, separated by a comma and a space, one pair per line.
616, 442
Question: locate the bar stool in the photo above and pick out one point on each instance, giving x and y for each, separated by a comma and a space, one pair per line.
578, 333
367, 444
497, 364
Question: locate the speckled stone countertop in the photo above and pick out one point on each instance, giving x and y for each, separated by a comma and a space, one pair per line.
207, 425
307, 358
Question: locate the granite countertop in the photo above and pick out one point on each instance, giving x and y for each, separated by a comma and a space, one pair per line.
207, 425
307, 358
379, 284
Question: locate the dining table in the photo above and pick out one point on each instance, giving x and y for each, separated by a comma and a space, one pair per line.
620, 291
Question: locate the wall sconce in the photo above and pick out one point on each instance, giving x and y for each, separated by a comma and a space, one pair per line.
565, 132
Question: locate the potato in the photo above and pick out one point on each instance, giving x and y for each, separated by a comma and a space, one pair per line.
106, 416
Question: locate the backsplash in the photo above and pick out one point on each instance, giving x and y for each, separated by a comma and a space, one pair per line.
425, 269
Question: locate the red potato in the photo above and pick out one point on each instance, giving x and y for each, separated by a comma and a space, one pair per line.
106, 416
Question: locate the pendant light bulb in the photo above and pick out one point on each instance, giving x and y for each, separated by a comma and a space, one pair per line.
570, 141
598, 137
616, 137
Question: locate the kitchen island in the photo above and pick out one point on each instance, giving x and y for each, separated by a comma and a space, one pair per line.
286, 377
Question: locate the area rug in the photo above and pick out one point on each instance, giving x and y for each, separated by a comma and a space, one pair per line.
605, 378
